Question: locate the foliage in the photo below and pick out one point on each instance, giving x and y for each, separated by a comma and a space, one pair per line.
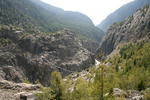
82, 91
4, 41
55, 91
134, 66
57, 86
147, 94
26, 81
34, 16
46, 95
129, 70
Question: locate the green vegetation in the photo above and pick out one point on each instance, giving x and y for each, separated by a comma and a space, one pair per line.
130, 70
144, 9
34, 16
4, 42
26, 81
119, 23
147, 94
56, 91
46, 95
134, 66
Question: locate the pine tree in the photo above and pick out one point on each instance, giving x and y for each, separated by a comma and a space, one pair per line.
56, 85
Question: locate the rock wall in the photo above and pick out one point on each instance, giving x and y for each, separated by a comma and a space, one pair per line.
135, 28
35, 56
122, 13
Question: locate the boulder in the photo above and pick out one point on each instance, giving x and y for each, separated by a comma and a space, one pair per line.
118, 92
141, 97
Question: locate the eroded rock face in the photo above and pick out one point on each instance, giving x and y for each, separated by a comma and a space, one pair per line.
35, 56
134, 28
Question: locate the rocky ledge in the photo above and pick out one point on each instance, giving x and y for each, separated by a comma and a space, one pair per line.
34, 56
18, 91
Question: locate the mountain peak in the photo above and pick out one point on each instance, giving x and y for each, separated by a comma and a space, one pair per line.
122, 13
133, 29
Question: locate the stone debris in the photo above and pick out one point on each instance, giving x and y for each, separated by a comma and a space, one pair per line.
18, 91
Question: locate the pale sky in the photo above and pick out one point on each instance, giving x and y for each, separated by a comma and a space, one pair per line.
97, 10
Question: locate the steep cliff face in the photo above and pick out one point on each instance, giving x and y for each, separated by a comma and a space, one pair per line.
122, 13
133, 29
35, 56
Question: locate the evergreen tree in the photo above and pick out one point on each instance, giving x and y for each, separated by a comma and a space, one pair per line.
56, 85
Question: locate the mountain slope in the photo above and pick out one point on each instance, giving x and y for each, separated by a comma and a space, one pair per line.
35, 15
133, 29
124, 76
122, 13
34, 56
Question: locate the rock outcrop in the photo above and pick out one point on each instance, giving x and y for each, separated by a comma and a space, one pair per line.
35, 56
122, 13
129, 94
35, 16
135, 28
18, 91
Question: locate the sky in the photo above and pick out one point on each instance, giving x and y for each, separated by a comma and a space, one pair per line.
97, 10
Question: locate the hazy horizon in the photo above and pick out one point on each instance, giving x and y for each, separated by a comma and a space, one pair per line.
96, 10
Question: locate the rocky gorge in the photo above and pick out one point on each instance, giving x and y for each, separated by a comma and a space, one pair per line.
59, 62
34, 56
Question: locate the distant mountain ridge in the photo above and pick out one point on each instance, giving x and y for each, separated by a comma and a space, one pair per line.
122, 13
133, 29
35, 15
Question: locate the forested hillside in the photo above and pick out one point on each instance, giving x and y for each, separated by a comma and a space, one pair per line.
34, 15
124, 76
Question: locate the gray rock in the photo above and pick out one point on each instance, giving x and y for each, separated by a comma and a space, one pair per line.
18, 91
35, 56
141, 97
118, 92
27, 96
4, 84
135, 28
128, 95
11, 73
